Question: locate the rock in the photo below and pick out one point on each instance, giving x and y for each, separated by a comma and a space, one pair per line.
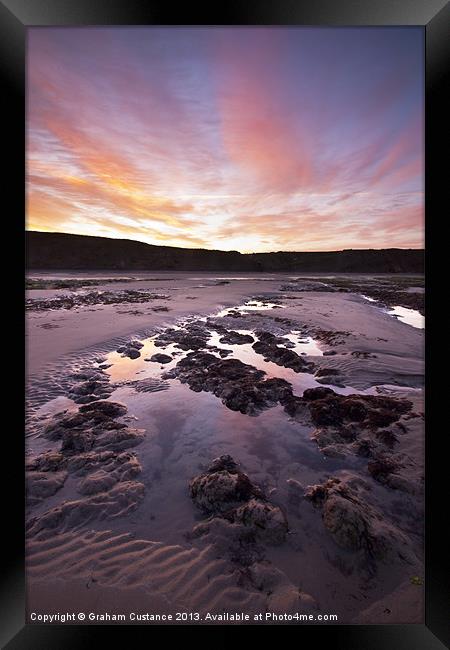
99, 481
333, 451
88, 374
364, 447
267, 521
125, 465
86, 387
345, 521
312, 394
75, 441
161, 358
131, 349
135, 344
40, 485
50, 461
241, 387
221, 490
104, 407
363, 355
192, 336
381, 467
331, 409
91, 389
223, 463
235, 338
121, 439
295, 407
267, 346
353, 523
326, 372
56, 427
330, 381
387, 437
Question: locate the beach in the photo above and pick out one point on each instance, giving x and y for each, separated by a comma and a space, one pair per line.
200, 444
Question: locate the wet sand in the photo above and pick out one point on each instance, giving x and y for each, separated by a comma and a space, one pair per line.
111, 520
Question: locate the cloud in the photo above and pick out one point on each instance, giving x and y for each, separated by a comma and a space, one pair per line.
250, 138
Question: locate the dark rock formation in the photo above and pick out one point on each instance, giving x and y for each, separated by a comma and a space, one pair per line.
226, 492
267, 346
235, 338
353, 523
161, 358
240, 387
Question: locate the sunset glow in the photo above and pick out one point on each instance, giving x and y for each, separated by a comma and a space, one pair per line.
249, 139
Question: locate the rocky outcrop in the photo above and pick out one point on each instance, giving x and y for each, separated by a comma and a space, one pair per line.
354, 524
131, 349
241, 387
160, 358
190, 337
226, 492
235, 338
268, 346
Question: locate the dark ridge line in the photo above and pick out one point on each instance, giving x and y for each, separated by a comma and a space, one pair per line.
63, 251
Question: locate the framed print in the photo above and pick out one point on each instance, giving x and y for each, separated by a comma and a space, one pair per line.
224, 414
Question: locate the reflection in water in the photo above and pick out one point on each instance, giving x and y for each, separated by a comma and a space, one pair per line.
124, 369
409, 316
304, 344
251, 305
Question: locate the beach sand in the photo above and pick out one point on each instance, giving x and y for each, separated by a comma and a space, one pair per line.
111, 523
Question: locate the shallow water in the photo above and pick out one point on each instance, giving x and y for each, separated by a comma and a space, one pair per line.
184, 430
124, 369
251, 305
409, 316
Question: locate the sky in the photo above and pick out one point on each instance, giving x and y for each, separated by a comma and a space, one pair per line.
249, 139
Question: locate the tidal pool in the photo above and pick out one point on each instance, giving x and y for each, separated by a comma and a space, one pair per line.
409, 316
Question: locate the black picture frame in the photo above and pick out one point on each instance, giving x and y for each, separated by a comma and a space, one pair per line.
434, 16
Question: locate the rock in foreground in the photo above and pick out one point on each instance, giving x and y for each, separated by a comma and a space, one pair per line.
224, 491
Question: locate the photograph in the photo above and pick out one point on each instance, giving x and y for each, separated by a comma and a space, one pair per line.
225, 325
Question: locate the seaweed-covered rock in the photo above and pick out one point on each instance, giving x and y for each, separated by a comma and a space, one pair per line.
75, 441
266, 520
131, 349
40, 485
312, 394
268, 346
159, 357
100, 408
193, 336
228, 494
241, 387
353, 523
345, 521
235, 338
49, 461
330, 409
221, 487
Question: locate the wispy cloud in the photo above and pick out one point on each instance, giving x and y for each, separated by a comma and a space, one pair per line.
248, 139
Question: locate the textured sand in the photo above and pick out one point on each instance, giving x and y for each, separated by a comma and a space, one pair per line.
128, 548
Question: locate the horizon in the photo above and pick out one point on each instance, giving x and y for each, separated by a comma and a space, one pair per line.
253, 140
136, 241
